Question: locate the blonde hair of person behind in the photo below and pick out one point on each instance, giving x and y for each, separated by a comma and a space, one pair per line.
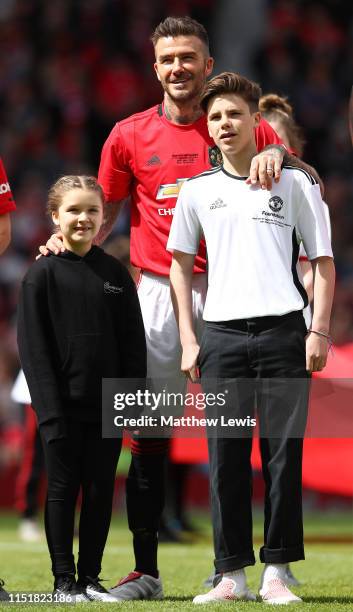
66, 183
278, 108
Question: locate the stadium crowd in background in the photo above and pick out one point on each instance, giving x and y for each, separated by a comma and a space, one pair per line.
63, 87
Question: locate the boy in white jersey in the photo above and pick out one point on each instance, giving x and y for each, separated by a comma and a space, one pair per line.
254, 330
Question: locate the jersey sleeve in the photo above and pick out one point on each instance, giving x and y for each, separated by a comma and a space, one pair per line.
302, 253
114, 174
313, 224
7, 203
265, 135
185, 231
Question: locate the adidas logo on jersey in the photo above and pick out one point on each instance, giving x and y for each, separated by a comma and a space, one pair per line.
154, 161
218, 204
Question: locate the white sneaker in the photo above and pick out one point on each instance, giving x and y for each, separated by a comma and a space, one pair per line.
289, 578
275, 592
29, 531
226, 590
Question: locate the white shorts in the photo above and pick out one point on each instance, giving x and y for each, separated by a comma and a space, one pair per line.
162, 334
20, 391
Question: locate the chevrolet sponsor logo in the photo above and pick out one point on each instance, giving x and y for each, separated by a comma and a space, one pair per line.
170, 190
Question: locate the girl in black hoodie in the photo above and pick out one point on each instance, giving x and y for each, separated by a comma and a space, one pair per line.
79, 321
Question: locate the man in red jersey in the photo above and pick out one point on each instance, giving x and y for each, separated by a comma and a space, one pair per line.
7, 205
147, 157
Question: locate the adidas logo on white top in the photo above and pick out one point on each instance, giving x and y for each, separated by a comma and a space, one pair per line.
218, 204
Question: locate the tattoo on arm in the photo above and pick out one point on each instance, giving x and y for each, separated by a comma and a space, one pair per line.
292, 160
111, 212
276, 147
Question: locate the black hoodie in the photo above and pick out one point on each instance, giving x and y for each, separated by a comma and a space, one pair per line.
79, 321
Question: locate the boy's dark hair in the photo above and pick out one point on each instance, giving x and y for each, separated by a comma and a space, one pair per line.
229, 82
180, 26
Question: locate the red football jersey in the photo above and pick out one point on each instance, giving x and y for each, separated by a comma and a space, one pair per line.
148, 157
7, 202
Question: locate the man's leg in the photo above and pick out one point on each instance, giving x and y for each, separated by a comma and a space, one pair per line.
145, 485
145, 492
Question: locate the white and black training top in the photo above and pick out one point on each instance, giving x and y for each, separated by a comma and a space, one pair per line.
252, 237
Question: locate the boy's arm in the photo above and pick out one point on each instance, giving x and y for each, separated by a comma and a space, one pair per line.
267, 164
317, 345
181, 292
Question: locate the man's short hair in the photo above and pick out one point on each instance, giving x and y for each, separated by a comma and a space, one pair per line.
232, 83
180, 26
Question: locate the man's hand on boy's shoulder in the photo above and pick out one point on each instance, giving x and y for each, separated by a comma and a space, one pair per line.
54, 245
266, 166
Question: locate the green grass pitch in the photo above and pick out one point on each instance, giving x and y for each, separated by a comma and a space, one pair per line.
327, 573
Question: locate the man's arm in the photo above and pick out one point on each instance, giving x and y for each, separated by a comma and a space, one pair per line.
292, 160
266, 166
181, 292
5, 232
317, 345
111, 213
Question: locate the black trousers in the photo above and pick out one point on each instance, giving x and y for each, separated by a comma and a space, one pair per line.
82, 459
257, 360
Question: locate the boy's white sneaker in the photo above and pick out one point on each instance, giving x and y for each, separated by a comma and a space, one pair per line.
228, 589
275, 592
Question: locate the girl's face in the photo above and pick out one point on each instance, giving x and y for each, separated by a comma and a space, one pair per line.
79, 217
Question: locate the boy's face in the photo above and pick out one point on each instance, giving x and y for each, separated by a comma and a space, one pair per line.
79, 217
231, 123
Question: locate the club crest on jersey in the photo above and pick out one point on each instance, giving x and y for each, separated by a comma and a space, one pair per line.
214, 156
275, 203
170, 190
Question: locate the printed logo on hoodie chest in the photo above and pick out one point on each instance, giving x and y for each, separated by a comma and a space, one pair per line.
112, 289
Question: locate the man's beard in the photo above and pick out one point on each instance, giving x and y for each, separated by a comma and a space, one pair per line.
184, 95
